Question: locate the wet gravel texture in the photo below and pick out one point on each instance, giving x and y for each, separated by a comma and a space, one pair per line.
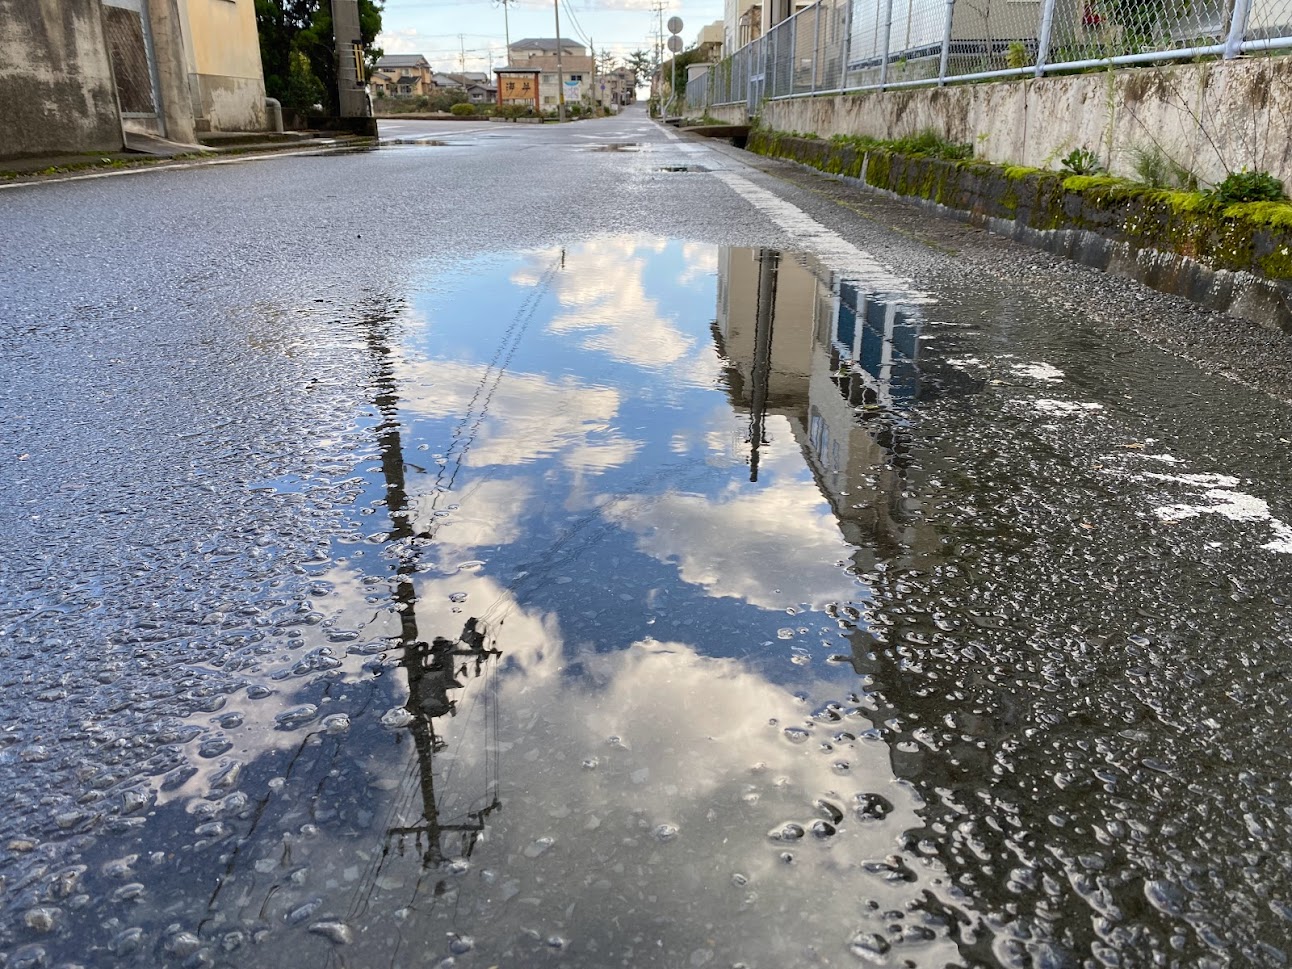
397, 573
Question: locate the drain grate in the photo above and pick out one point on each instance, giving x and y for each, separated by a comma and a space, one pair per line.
682, 168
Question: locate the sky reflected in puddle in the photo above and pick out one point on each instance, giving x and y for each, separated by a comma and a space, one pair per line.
601, 597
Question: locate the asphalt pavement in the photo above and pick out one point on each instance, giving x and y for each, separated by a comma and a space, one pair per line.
592, 545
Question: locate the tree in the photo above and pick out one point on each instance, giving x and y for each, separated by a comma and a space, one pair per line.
304, 28
640, 62
606, 62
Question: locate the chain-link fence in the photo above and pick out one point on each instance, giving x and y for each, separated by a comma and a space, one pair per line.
859, 45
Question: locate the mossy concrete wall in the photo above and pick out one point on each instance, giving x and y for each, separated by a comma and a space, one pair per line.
1237, 259
56, 88
1210, 118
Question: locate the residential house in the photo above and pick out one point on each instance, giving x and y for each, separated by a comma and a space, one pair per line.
617, 87
539, 54
401, 76
477, 85
742, 22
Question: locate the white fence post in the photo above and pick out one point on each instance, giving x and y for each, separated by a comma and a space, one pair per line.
1237, 29
888, 37
847, 43
1043, 40
944, 60
816, 40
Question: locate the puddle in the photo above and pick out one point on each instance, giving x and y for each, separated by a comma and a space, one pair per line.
619, 146
655, 604
682, 168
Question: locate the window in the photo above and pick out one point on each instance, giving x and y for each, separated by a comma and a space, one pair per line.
574, 77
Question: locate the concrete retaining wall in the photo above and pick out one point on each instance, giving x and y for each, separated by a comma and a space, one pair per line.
1210, 118
56, 89
1238, 260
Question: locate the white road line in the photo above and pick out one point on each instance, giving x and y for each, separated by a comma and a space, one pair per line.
833, 249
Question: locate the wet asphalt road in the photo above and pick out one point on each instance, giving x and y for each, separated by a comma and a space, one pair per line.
587, 546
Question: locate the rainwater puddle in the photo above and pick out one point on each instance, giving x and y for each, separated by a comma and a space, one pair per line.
669, 605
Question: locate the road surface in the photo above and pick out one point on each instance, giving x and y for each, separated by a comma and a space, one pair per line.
589, 546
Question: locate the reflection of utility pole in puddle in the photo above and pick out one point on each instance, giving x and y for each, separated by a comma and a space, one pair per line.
761, 371
435, 671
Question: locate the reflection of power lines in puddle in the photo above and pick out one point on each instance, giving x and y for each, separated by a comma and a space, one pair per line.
465, 435
433, 672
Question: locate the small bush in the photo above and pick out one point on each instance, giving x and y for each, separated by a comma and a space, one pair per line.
463, 110
1016, 55
1081, 161
1156, 169
1247, 186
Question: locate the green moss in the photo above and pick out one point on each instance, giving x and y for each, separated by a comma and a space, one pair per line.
1017, 173
1084, 183
1277, 214
1254, 236
1180, 203
1278, 264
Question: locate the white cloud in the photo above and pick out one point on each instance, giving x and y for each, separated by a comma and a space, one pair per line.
636, 805
520, 417
604, 302
773, 544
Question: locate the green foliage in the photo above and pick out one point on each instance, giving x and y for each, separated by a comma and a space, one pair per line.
1150, 166
927, 143
513, 111
639, 61
304, 27
1246, 186
463, 109
1016, 55
1081, 161
303, 90
1156, 169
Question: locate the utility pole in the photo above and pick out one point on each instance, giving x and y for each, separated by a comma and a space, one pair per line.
560, 74
592, 48
659, 56
462, 55
506, 30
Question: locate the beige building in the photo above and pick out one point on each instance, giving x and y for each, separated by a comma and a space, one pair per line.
710, 42
222, 55
539, 54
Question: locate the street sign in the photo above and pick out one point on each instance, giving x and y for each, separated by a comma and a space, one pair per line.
675, 44
674, 25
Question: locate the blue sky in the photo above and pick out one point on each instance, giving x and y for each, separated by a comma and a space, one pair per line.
431, 27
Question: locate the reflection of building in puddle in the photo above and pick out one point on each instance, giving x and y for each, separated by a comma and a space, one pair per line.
840, 364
